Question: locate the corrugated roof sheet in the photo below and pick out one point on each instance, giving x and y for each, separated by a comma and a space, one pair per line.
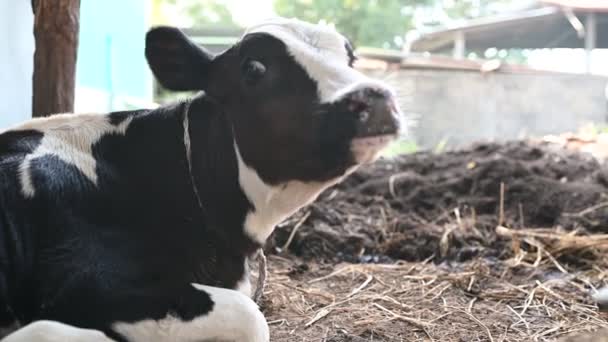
589, 5
376, 61
544, 27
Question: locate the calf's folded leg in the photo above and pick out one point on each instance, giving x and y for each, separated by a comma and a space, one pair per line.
232, 316
51, 331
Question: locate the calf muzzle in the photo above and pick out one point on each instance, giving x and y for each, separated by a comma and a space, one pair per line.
375, 111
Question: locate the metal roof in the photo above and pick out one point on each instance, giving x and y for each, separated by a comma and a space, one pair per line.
546, 27
581, 5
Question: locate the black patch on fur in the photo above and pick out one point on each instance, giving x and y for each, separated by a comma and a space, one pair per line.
351, 53
15, 144
17, 236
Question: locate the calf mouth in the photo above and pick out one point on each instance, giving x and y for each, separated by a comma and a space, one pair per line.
368, 149
373, 141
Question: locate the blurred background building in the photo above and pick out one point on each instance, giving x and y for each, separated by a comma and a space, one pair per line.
467, 70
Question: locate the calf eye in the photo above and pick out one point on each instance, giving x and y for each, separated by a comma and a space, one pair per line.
252, 71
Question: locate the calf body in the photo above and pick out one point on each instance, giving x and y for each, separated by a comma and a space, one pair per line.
132, 239
139, 224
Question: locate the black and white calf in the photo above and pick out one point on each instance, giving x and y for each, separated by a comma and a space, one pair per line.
137, 225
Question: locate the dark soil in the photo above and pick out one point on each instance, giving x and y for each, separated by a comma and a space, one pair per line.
402, 208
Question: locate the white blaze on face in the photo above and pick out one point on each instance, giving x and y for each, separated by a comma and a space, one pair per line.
322, 52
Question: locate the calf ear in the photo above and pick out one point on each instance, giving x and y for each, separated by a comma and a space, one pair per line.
176, 62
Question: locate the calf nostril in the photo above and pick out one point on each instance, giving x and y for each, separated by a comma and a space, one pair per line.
357, 106
363, 116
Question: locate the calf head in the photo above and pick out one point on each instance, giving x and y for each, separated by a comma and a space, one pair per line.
300, 113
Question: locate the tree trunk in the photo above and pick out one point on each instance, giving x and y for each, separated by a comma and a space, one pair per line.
56, 25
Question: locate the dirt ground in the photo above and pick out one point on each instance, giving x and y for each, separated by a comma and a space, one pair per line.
495, 242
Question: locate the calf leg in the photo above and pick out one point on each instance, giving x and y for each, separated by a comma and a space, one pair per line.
51, 331
231, 317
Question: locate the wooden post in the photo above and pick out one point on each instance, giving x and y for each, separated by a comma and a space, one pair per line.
56, 26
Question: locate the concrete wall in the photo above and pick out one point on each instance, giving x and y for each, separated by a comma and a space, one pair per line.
460, 107
16, 64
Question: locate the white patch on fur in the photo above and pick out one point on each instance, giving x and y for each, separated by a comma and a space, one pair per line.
234, 317
321, 51
273, 204
70, 137
51, 331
